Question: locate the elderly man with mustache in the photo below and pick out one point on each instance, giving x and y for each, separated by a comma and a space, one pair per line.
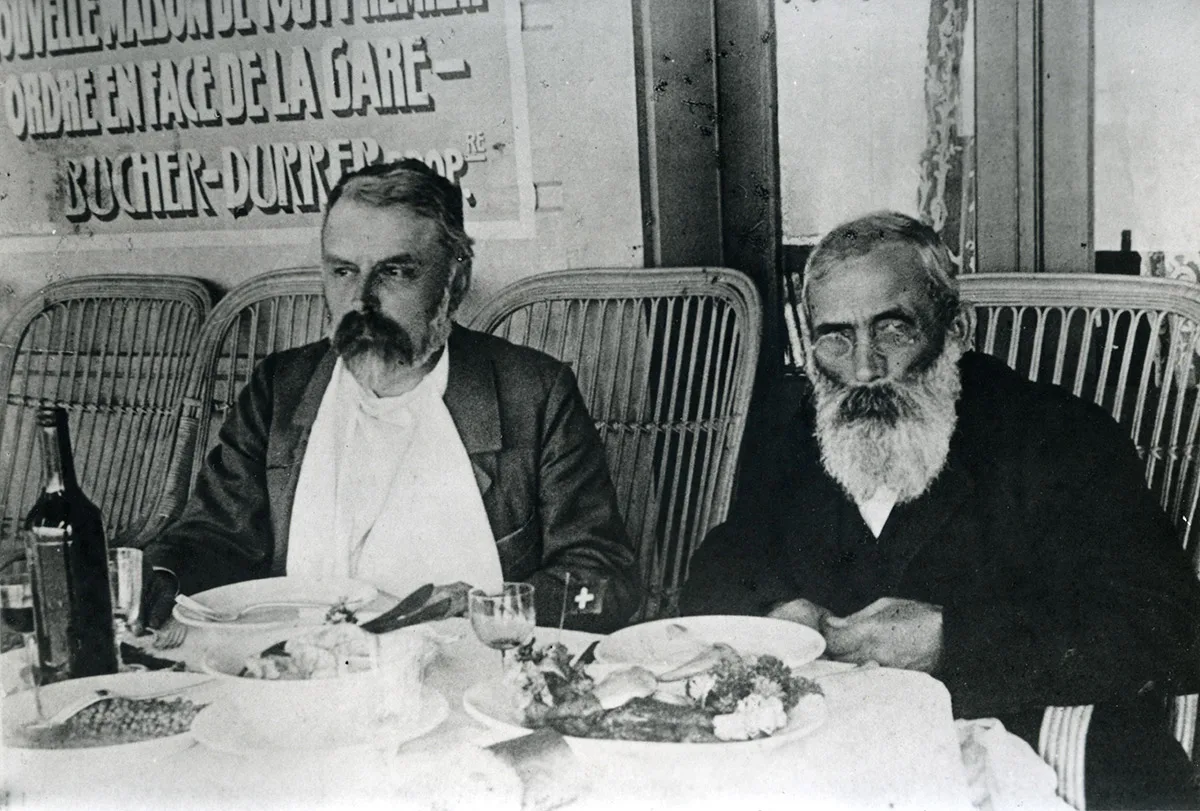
925, 507
404, 449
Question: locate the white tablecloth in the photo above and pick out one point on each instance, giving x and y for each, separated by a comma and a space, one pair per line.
889, 742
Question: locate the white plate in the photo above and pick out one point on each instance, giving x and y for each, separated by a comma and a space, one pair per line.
220, 727
237, 596
19, 709
490, 703
663, 644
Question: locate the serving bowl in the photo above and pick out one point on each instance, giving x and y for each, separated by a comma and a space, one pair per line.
376, 683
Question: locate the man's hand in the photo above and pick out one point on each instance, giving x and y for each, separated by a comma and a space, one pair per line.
457, 592
158, 597
800, 610
892, 632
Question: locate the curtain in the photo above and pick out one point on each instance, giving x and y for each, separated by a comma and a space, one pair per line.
946, 196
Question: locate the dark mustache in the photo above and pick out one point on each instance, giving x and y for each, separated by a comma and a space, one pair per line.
371, 330
883, 403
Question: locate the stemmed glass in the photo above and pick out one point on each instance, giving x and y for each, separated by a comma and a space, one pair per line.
125, 585
16, 610
503, 620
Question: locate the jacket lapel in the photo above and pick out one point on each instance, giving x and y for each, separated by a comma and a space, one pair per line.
815, 503
911, 526
291, 437
285, 452
474, 405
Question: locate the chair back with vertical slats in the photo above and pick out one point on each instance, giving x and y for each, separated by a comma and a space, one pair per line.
1128, 344
271, 312
665, 360
115, 351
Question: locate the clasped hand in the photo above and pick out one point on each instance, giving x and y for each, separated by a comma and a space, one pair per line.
893, 632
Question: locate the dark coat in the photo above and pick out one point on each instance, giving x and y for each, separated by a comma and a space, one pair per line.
1059, 577
535, 452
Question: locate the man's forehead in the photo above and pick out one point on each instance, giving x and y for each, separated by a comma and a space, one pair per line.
857, 288
375, 229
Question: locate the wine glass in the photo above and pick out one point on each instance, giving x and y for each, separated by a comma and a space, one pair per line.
16, 611
505, 619
125, 585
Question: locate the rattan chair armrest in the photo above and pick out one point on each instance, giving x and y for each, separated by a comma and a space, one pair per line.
1062, 743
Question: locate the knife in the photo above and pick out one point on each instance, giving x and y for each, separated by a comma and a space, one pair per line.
392, 621
406, 606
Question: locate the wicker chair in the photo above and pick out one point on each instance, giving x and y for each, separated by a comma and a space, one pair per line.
268, 313
115, 351
665, 360
1128, 344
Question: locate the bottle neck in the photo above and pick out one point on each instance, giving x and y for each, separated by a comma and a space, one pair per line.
56, 451
53, 459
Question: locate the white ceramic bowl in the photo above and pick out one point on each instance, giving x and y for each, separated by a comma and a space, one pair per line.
327, 708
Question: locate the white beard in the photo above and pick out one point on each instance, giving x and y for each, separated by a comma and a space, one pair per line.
891, 435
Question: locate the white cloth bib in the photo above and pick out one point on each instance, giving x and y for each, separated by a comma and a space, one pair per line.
387, 493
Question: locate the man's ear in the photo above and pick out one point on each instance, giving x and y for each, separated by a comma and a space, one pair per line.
962, 327
460, 283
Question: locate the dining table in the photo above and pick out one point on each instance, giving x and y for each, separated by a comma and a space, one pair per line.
888, 740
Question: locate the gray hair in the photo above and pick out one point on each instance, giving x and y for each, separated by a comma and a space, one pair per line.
413, 185
860, 236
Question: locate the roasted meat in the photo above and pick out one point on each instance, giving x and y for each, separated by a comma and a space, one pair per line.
642, 719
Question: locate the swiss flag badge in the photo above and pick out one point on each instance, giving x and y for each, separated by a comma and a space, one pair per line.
583, 593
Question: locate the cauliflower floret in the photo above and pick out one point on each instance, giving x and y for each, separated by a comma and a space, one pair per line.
754, 717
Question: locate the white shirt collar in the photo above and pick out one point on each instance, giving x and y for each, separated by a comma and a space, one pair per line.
876, 510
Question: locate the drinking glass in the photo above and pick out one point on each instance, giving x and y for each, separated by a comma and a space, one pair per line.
505, 619
16, 611
125, 585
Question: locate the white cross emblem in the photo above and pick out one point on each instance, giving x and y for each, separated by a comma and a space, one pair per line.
583, 598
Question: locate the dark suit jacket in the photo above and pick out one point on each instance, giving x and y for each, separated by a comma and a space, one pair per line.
1059, 577
537, 459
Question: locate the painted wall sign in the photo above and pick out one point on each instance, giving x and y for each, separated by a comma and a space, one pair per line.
228, 116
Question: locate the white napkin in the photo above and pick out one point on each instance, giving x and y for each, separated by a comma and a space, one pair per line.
1004, 773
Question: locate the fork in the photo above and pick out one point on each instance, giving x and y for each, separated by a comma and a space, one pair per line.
170, 635
215, 615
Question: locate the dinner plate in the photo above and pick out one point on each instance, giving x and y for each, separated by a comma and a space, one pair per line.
222, 728
236, 596
667, 643
490, 703
19, 709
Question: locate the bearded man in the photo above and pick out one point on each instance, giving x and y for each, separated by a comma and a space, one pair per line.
404, 449
925, 507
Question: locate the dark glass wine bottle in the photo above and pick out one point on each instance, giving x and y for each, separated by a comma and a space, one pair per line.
69, 566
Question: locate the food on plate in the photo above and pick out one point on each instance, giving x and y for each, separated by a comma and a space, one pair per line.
323, 653
118, 720
341, 612
724, 697
706, 660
